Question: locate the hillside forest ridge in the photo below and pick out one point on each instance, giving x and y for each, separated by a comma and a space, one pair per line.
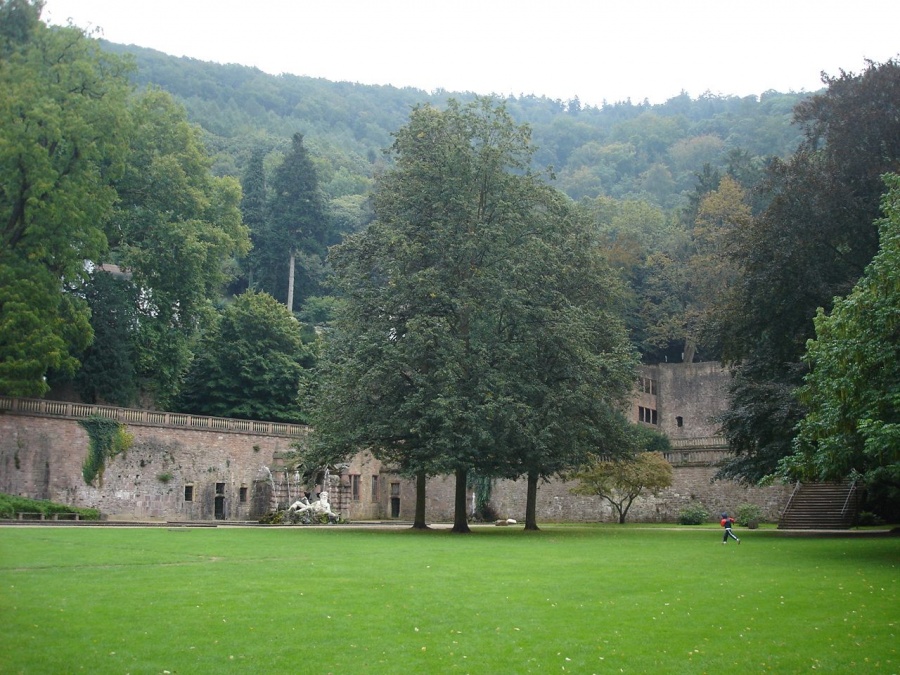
190, 235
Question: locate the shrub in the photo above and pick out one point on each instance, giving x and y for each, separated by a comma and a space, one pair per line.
10, 505
693, 514
748, 515
273, 518
869, 518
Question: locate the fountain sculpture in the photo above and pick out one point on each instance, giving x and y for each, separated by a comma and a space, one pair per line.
306, 511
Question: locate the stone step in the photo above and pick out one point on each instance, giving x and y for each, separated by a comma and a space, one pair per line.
820, 506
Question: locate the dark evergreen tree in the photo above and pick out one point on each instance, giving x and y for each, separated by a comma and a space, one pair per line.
108, 371
253, 209
296, 228
810, 245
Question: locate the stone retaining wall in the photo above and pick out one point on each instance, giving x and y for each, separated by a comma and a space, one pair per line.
555, 502
208, 468
41, 458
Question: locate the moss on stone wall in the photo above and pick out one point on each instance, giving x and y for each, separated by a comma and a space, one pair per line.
108, 438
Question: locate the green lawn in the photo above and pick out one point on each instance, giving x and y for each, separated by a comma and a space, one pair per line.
586, 599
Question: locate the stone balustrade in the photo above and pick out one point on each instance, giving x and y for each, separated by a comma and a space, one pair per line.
43, 408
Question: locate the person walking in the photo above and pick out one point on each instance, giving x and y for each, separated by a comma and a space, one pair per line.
728, 523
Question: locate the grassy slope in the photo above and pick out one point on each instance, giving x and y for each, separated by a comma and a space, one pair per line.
567, 599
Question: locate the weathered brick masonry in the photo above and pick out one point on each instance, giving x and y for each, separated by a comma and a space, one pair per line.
42, 456
232, 469
555, 503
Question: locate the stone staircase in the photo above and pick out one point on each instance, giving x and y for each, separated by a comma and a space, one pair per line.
821, 506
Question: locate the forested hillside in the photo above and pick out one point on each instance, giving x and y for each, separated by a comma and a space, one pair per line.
622, 149
637, 170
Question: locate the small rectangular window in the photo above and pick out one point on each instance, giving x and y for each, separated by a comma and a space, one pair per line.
242, 495
220, 488
374, 488
354, 487
188, 493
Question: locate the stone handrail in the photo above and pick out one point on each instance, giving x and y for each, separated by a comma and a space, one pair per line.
43, 408
707, 451
710, 442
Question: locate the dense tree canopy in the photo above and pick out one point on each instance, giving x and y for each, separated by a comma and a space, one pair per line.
109, 368
810, 245
852, 393
594, 150
175, 226
63, 137
251, 365
596, 153
458, 335
89, 174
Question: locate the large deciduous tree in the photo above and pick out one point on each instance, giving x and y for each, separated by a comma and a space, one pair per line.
852, 393
562, 352
90, 174
175, 227
461, 344
251, 364
62, 138
810, 245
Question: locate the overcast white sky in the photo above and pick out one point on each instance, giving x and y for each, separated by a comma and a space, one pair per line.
597, 50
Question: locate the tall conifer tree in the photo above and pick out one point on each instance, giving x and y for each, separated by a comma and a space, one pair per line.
297, 227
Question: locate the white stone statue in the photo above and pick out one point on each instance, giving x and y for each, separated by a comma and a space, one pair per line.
300, 505
314, 509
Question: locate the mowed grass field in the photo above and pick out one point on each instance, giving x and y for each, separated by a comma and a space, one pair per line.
579, 599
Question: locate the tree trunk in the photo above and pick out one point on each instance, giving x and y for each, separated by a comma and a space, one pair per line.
627, 504
460, 521
690, 348
531, 502
419, 521
290, 297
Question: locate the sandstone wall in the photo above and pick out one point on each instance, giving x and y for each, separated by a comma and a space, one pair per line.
555, 502
41, 457
240, 475
690, 395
